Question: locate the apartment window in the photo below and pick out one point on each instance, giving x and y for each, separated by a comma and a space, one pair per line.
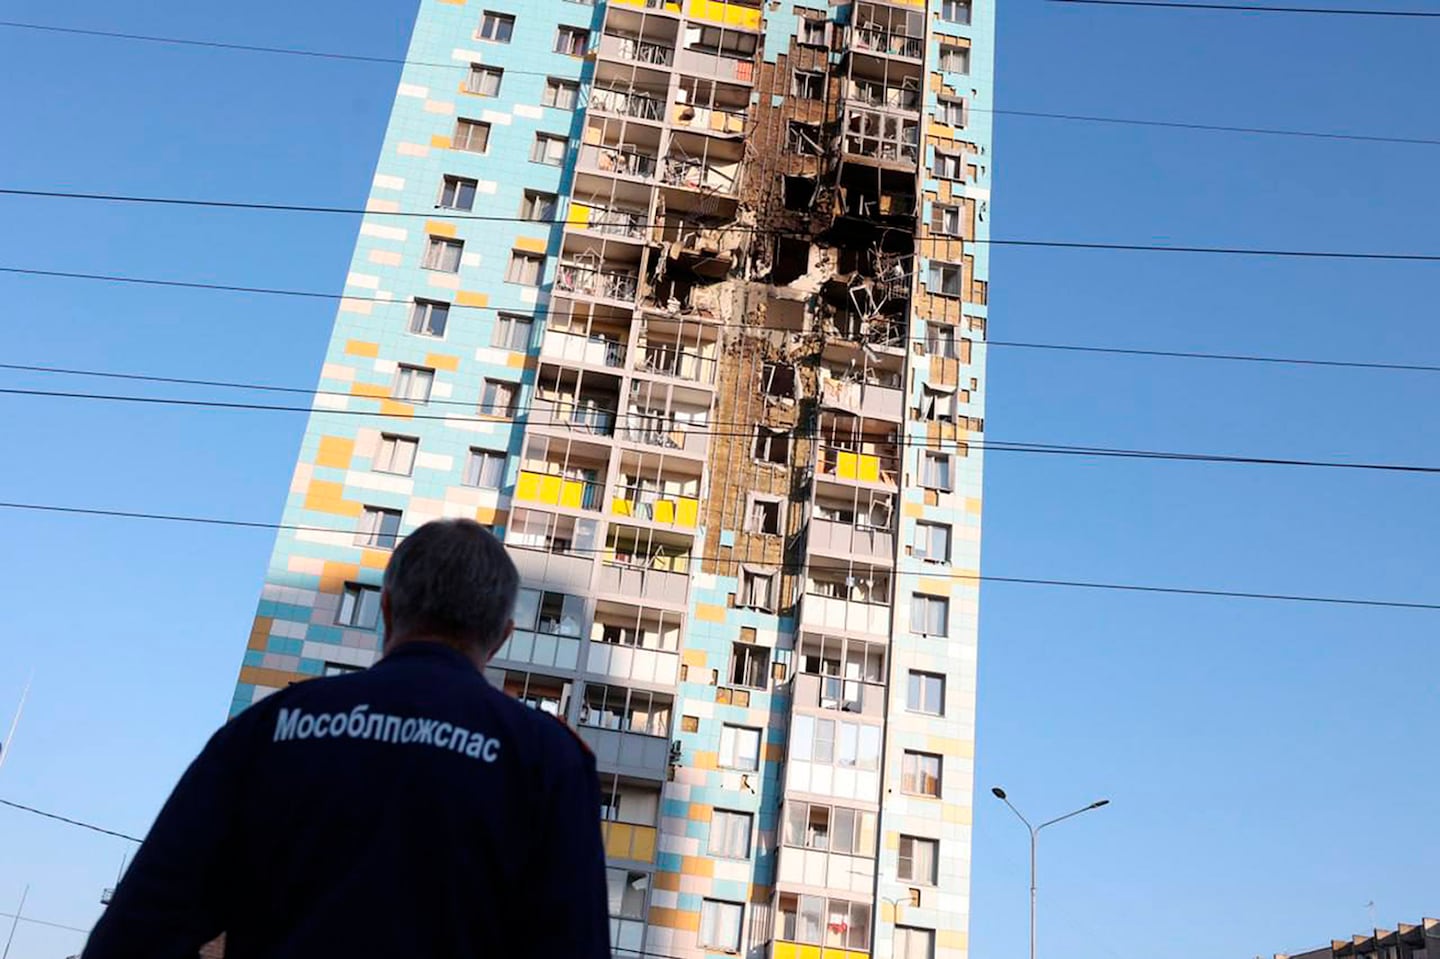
777, 379
918, 860
812, 32
944, 278
739, 748
558, 614
925, 693
396, 455
730, 834
720, 925
764, 515
548, 149
914, 943
808, 85
497, 397
771, 446
512, 332
359, 606
951, 112
938, 404
726, 41
945, 220
940, 341
803, 139
485, 469
920, 774
947, 165
458, 193
932, 542
833, 742
484, 81
524, 268
572, 41
560, 94
930, 615
443, 254
378, 527
955, 11
935, 470
496, 27
413, 383
954, 59
429, 317
537, 206
749, 666
627, 892
472, 136
837, 829
756, 590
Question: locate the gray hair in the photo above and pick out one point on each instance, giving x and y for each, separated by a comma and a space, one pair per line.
451, 579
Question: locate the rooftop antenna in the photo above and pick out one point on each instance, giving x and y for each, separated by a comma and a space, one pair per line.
5, 746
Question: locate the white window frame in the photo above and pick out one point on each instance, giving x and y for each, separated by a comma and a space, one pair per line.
468, 127
911, 762
940, 275
730, 832
929, 614
480, 464
406, 376
371, 530
938, 404
941, 220
924, 547
480, 73
956, 11
530, 202
913, 943
491, 22
566, 37
422, 318
941, 340
732, 755
450, 192
918, 695
554, 87
948, 166
935, 460
807, 84
443, 254
953, 51
390, 445
527, 263
922, 857
951, 112
498, 397
542, 151
805, 35
751, 653
752, 525
752, 595
513, 332
359, 607
714, 913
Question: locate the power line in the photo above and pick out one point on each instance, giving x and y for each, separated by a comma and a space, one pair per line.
793, 567
42, 922
66, 819
1256, 8
1005, 446
1031, 114
736, 228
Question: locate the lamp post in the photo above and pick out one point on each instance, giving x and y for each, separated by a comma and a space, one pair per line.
1034, 836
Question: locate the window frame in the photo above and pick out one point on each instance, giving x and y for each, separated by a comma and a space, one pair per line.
807, 84
953, 49
736, 827
745, 597
355, 596
946, 462
930, 528
955, 159
570, 32
727, 759
540, 154
917, 776
506, 325
439, 250
525, 256
469, 125
927, 942
712, 908
452, 184
499, 18
938, 215
395, 440
756, 499
807, 25
484, 457
939, 270
952, 111
932, 876
530, 199
751, 654
377, 538
493, 383
929, 601
485, 71
414, 373
966, 6
555, 85
422, 318
924, 707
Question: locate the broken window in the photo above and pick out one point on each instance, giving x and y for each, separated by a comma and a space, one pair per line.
954, 59
792, 259
756, 590
945, 220
938, 404
881, 136
799, 192
803, 139
940, 341
749, 666
944, 278
812, 32
947, 165
777, 379
772, 445
763, 516
808, 84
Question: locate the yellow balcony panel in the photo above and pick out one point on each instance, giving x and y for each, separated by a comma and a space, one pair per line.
626, 841
579, 214
802, 950
728, 14
572, 494
621, 506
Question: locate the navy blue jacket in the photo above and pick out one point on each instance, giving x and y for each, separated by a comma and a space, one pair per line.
411, 810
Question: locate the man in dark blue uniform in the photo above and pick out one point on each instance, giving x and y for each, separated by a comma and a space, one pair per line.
409, 811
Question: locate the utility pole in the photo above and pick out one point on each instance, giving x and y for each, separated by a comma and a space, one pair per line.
15, 922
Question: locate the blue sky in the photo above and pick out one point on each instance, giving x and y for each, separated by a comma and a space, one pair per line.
1267, 762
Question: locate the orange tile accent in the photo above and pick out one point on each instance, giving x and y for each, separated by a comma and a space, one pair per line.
952, 939
956, 813
972, 505
335, 451
439, 228
529, 244
669, 881
709, 613
675, 919
458, 3
697, 866
471, 298
490, 516
260, 632
518, 361
361, 348
392, 408
278, 678
374, 559
326, 497
440, 142
373, 390
774, 752
913, 510
693, 657
700, 812
704, 760
334, 576
442, 361
934, 585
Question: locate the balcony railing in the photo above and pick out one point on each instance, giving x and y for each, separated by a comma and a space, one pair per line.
886, 96
585, 416
852, 539
627, 103
887, 42
633, 50
625, 840
827, 613
591, 350
876, 330
653, 506
617, 160
839, 693
712, 119
682, 364
698, 175
655, 429
555, 490
605, 284
614, 222
854, 465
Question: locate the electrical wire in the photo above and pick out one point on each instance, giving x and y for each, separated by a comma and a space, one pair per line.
65, 819
1030, 114
1256, 8
736, 228
42, 922
904, 442
787, 567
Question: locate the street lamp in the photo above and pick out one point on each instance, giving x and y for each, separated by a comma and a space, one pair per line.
1034, 835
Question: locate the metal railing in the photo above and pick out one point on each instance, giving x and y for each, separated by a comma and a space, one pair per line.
697, 175
585, 416
886, 96
618, 160
682, 364
616, 222
888, 42
607, 284
627, 103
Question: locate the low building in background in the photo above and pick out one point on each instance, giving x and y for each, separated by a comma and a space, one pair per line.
1406, 942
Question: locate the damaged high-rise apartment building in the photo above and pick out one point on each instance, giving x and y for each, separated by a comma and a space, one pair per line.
686, 300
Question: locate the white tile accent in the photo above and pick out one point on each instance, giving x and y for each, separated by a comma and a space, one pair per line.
412, 90
384, 232
470, 259
530, 295
385, 258
486, 354
468, 56
388, 367
495, 116
306, 565
328, 537
439, 106
328, 401
486, 186
413, 150
334, 371
363, 280
434, 461
261, 692
442, 391
300, 481
377, 205
384, 181
525, 110
384, 295
383, 482
443, 281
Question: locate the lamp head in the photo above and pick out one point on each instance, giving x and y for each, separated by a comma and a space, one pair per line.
1099, 802
999, 793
